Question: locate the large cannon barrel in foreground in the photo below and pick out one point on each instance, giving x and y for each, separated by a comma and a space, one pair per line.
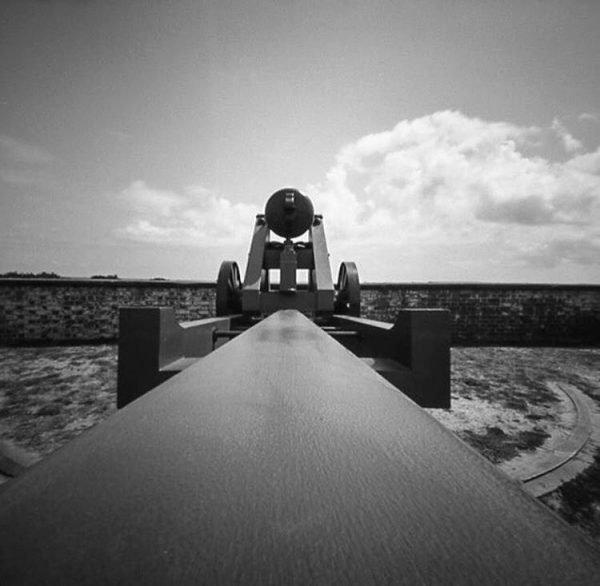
280, 458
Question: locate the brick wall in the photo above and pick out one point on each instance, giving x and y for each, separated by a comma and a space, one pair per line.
509, 314
43, 310
67, 310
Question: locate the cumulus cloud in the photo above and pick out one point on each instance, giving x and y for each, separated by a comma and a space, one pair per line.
464, 192
570, 143
194, 217
441, 197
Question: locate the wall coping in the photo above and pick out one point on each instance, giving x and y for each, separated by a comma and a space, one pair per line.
481, 285
166, 283
112, 283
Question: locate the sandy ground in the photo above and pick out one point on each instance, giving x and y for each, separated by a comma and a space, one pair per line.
50, 395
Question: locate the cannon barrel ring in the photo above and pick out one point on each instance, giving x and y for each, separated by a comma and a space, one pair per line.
289, 213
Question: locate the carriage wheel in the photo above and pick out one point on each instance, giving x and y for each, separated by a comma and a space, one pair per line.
229, 289
348, 290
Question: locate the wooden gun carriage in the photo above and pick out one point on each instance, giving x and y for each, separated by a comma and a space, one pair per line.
289, 449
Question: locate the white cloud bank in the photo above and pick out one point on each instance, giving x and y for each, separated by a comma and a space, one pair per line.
195, 217
442, 197
448, 197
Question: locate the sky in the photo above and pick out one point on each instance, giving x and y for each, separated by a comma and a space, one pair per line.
442, 140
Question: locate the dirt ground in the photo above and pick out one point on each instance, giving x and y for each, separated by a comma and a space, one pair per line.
501, 405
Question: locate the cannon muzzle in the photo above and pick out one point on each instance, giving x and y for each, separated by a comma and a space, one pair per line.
289, 213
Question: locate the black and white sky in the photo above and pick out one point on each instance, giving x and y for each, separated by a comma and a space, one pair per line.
443, 140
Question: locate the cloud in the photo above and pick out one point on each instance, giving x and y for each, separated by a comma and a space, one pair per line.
587, 163
570, 143
196, 217
464, 192
589, 117
153, 202
441, 197
560, 251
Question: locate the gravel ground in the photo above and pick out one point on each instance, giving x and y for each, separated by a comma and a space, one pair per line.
501, 405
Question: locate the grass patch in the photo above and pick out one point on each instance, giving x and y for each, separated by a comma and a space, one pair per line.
578, 501
46, 392
497, 446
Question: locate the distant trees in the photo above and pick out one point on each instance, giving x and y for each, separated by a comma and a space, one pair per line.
19, 275
46, 275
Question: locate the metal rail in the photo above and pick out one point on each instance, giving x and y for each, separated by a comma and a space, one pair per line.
280, 458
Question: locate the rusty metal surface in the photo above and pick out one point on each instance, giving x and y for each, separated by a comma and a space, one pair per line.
279, 459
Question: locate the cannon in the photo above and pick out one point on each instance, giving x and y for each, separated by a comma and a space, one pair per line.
413, 353
267, 446
288, 214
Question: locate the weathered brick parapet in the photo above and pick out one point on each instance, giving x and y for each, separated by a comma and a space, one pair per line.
80, 310
72, 310
498, 313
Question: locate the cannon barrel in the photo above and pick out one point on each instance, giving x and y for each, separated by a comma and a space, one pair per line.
289, 213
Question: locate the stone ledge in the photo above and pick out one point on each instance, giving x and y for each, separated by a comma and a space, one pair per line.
115, 283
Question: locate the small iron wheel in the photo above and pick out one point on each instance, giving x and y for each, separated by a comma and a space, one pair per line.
229, 289
347, 299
